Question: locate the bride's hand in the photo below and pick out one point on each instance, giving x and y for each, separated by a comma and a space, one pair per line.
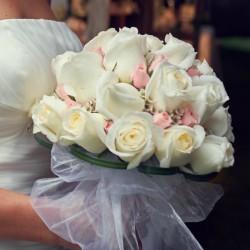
18, 221
68, 245
80, 216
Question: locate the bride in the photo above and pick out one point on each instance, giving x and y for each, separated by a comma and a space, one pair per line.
30, 37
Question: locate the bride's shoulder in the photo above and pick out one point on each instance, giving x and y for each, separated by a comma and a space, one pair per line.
26, 9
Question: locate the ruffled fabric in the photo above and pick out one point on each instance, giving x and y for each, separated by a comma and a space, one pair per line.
27, 48
107, 209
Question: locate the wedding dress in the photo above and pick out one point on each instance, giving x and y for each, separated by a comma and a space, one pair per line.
27, 47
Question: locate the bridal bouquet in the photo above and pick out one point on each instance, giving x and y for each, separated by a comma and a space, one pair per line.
151, 105
138, 97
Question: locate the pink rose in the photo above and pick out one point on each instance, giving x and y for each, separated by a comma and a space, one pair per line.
107, 126
157, 59
139, 76
162, 119
65, 97
70, 103
189, 118
193, 71
99, 51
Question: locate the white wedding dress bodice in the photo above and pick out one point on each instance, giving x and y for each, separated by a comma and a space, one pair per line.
27, 48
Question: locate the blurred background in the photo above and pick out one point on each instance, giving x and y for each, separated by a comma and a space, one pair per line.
219, 30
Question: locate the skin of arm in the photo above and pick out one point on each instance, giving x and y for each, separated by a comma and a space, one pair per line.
26, 9
18, 220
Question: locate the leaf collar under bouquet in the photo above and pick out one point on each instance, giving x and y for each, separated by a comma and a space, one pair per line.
139, 98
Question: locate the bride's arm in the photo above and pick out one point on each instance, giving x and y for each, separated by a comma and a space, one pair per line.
26, 9
18, 221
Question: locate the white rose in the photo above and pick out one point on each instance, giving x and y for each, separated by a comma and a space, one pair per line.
131, 138
198, 69
168, 87
99, 122
47, 116
220, 124
81, 73
176, 145
153, 43
214, 154
177, 52
113, 98
125, 52
78, 128
209, 94
58, 62
101, 40
204, 67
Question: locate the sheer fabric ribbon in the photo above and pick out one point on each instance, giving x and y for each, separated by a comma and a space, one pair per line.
109, 209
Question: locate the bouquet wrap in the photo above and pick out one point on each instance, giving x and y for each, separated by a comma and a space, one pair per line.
103, 208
